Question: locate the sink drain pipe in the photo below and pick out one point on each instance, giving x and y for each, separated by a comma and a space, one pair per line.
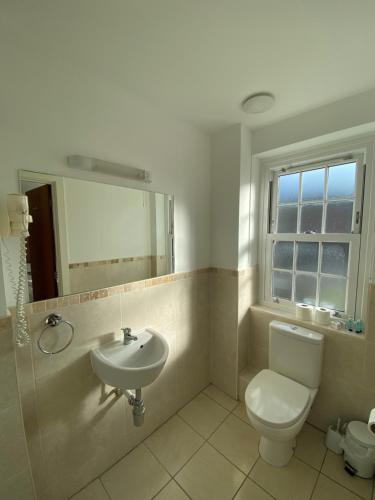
135, 400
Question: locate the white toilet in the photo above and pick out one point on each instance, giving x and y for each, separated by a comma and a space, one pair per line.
278, 400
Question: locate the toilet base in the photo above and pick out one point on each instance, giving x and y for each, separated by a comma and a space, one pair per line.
276, 453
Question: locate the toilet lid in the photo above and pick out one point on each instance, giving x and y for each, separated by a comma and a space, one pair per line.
275, 400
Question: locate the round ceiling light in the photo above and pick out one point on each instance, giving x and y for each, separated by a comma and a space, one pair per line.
258, 103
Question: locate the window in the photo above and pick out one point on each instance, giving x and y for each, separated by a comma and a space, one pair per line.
313, 238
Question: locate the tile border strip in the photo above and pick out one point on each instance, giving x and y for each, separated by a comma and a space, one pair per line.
80, 298
93, 263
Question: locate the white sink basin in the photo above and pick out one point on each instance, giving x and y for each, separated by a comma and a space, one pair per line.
134, 365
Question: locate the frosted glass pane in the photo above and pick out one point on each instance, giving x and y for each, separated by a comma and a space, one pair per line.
341, 181
311, 218
282, 285
307, 257
313, 185
335, 258
288, 188
339, 217
332, 293
283, 254
287, 220
305, 289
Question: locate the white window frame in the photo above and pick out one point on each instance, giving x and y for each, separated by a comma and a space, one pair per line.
361, 245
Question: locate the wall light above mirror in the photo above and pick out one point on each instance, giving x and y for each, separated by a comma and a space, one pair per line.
86, 235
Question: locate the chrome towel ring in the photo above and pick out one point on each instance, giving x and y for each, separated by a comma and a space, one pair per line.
51, 321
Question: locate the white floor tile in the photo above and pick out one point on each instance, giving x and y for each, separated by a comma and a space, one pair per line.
333, 467
220, 397
310, 446
293, 482
238, 442
137, 476
329, 490
172, 492
203, 414
209, 476
240, 412
251, 491
174, 443
93, 491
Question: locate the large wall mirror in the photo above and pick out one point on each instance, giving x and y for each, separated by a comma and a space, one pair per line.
87, 235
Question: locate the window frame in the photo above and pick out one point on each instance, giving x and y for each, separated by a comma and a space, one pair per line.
361, 251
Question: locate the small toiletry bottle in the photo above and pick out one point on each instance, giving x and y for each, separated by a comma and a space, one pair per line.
350, 324
359, 326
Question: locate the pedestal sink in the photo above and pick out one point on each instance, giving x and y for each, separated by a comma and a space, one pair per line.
133, 365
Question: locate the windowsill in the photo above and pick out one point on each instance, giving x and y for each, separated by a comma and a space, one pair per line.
279, 314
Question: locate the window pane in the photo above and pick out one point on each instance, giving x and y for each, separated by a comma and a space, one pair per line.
311, 218
282, 284
341, 181
305, 289
339, 217
332, 293
307, 257
288, 188
335, 258
283, 254
313, 185
287, 220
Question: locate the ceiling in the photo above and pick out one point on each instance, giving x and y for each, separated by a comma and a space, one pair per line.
198, 59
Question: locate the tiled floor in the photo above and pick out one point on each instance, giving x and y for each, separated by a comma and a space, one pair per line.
209, 451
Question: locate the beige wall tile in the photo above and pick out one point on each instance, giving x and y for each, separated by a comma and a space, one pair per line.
69, 423
13, 457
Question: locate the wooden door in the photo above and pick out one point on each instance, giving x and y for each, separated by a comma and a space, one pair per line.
41, 244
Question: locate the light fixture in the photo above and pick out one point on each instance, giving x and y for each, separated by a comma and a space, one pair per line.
258, 103
106, 167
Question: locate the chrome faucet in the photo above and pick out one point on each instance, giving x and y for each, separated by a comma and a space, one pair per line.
128, 337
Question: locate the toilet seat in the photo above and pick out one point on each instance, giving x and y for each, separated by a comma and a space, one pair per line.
275, 400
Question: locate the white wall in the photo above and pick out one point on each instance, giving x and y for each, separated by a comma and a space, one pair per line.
353, 112
225, 181
106, 222
50, 111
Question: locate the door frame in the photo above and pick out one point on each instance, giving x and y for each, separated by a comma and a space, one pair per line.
59, 222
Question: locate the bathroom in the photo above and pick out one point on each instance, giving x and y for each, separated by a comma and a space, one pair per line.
183, 218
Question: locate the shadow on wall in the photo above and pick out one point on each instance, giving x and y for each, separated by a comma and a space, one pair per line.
79, 434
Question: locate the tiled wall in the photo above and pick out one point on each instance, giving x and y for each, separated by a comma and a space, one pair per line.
108, 273
74, 430
348, 378
15, 476
231, 294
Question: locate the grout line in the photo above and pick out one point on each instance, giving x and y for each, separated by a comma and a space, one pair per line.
343, 486
240, 486
314, 487
217, 402
104, 488
156, 494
